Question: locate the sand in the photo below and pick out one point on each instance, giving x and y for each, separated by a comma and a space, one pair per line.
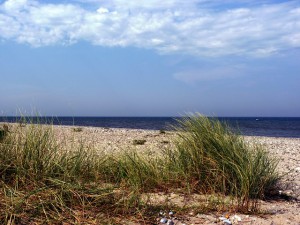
287, 150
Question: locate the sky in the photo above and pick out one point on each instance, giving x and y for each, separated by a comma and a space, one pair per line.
150, 57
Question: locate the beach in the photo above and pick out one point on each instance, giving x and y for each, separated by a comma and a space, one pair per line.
286, 150
276, 211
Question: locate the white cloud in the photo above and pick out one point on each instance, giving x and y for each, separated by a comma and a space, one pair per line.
102, 10
196, 27
14, 5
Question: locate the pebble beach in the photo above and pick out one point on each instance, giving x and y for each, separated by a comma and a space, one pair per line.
275, 212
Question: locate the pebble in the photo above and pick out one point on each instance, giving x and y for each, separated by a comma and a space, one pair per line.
236, 218
164, 220
227, 221
161, 213
170, 222
171, 213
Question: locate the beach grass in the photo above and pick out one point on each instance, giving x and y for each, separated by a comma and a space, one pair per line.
211, 158
44, 180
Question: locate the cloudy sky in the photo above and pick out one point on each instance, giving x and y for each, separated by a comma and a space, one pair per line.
150, 57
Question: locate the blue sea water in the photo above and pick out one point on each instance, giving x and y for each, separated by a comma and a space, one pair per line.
252, 126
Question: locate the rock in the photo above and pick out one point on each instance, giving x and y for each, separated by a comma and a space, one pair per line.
236, 219
162, 213
171, 213
191, 213
164, 220
227, 222
170, 222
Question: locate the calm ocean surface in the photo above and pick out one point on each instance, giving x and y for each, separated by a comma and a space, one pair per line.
253, 126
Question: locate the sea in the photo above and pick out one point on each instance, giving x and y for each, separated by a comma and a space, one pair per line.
250, 126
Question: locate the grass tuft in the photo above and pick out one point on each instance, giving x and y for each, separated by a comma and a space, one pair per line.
212, 159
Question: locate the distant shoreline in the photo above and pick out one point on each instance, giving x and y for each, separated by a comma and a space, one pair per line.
249, 126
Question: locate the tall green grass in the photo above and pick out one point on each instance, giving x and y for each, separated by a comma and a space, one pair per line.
211, 158
134, 170
45, 180
41, 178
33, 154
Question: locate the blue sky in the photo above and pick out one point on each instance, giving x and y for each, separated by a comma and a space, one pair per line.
150, 58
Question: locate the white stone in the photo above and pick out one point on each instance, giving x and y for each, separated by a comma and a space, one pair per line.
164, 220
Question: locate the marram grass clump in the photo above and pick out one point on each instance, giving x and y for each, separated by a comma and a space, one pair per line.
44, 181
32, 153
213, 159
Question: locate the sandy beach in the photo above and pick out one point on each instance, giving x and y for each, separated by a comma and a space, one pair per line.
287, 150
